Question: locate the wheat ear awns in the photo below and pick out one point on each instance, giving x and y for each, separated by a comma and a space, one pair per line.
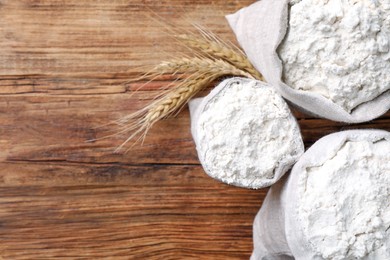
221, 50
211, 60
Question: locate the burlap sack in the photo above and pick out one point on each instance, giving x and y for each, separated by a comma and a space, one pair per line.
277, 233
196, 108
259, 29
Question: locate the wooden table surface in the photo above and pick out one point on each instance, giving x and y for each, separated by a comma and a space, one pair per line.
63, 68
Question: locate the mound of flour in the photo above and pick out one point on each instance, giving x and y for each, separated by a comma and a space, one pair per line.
245, 132
344, 206
339, 49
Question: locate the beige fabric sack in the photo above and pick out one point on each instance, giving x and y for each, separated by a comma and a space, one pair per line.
277, 234
284, 162
259, 29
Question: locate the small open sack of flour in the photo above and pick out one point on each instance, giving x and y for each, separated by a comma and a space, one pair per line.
334, 204
330, 58
245, 134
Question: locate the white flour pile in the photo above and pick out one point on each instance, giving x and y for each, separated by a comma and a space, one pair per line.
245, 132
339, 49
344, 204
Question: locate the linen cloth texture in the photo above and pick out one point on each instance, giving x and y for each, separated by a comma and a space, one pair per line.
259, 29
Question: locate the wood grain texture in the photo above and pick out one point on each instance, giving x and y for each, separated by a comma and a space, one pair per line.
63, 68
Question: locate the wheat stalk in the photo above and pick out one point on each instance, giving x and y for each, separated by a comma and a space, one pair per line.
212, 58
200, 64
220, 50
208, 70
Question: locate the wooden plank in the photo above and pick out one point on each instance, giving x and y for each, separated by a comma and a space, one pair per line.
98, 37
63, 72
63, 67
60, 209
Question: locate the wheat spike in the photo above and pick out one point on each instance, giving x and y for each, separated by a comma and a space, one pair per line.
220, 50
175, 98
199, 64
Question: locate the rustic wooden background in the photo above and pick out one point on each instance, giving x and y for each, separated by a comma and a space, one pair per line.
63, 65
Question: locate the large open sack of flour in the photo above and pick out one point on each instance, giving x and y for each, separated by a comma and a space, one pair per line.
334, 204
245, 134
329, 58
